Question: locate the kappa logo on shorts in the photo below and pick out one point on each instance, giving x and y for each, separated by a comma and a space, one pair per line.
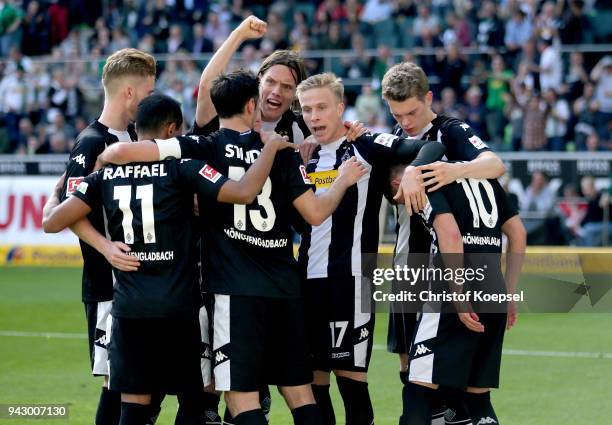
220, 357
421, 349
364, 334
210, 174
100, 338
487, 420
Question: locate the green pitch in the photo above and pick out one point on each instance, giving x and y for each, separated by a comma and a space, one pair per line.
558, 368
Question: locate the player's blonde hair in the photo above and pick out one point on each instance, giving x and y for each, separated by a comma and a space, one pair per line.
326, 79
403, 81
127, 63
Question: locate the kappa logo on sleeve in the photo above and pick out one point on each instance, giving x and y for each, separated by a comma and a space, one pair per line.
73, 183
305, 175
79, 159
385, 139
210, 174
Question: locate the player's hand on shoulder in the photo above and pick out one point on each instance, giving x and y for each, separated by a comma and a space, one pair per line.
307, 148
116, 254
252, 28
352, 170
438, 174
276, 140
411, 191
355, 129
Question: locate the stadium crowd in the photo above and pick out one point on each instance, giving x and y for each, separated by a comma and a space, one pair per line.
517, 91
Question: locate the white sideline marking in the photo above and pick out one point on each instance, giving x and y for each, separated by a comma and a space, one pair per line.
540, 353
44, 334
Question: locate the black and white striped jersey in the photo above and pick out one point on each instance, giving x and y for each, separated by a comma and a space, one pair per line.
97, 275
461, 145
335, 248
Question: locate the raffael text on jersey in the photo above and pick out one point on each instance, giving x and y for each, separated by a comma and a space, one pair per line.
447, 296
135, 171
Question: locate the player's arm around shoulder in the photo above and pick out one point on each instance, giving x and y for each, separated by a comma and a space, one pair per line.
316, 209
477, 160
250, 185
120, 153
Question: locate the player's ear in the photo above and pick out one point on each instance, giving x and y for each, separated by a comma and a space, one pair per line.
170, 130
428, 98
340, 109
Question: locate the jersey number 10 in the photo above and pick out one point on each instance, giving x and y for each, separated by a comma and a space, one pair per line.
471, 187
263, 199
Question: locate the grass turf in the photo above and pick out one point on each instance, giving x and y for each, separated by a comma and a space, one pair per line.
536, 389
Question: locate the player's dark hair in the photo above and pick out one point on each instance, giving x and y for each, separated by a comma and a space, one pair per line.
288, 58
156, 111
232, 91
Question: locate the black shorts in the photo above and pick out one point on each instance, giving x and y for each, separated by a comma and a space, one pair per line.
160, 355
259, 341
400, 332
97, 315
340, 335
445, 352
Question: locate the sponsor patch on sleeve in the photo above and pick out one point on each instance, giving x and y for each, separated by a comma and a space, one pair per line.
210, 174
73, 183
304, 174
385, 139
82, 187
323, 179
478, 144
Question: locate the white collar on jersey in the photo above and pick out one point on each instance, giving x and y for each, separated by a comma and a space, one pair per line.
269, 126
422, 133
333, 146
122, 136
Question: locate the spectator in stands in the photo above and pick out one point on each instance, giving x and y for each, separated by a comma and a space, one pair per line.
540, 195
528, 68
368, 104
498, 94
120, 40
358, 66
58, 143
585, 109
58, 17
451, 67
375, 11
457, 30
330, 11
334, 40
576, 77
556, 121
602, 76
382, 62
200, 43
426, 21
14, 102
448, 103
176, 41
474, 111
490, 27
572, 209
547, 22
551, 66
592, 226
519, 30
26, 130
10, 26
35, 31
576, 27
535, 112
147, 44
59, 125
